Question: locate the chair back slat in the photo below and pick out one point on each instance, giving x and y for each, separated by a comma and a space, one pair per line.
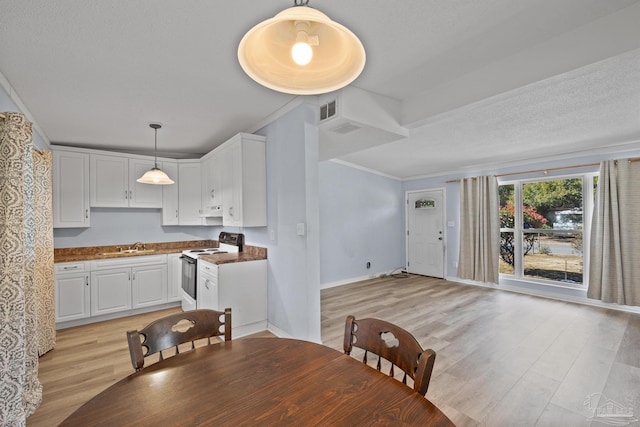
394, 344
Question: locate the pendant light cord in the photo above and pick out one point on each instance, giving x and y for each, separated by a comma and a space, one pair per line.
155, 149
300, 2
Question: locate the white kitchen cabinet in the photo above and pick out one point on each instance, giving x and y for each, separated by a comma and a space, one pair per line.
70, 189
148, 285
119, 284
211, 199
72, 291
113, 183
243, 176
242, 286
208, 286
170, 206
189, 193
110, 291
143, 195
174, 277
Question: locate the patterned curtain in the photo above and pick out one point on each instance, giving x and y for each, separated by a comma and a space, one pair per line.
479, 229
20, 390
43, 230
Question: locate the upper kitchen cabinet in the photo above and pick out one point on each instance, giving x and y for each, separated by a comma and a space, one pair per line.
244, 176
170, 206
113, 183
189, 186
70, 189
211, 166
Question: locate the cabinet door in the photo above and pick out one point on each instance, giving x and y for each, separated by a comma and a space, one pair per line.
109, 176
231, 185
174, 277
216, 181
207, 286
72, 293
211, 191
110, 291
189, 194
149, 285
170, 195
70, 189
143, 195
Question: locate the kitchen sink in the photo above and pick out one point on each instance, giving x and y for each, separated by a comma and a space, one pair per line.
129, 251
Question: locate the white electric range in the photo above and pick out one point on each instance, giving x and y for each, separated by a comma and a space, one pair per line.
228, 243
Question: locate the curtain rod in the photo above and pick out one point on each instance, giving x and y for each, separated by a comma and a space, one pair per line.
635, 159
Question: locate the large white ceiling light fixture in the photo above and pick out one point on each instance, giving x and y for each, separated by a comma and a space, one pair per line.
302, 52
155, 175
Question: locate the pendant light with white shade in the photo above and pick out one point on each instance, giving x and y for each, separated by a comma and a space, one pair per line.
155, 175
301, 51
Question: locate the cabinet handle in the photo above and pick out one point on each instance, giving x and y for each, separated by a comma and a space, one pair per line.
87, 280
231, 211
206, 283
176, 213
134, 275
130, 194
213, 194
86, 213
75, 267
126, 194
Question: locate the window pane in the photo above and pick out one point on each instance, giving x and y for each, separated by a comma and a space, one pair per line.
506, 193
553, 256
553, 204
506, 252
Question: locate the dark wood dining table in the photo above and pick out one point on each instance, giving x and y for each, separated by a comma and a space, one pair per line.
258, 382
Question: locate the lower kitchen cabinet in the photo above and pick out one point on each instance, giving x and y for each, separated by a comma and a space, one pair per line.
149, 285
73, 296
174, 277
242, 286
115, 287
111, 291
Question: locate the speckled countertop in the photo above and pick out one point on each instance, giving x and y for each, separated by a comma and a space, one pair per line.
249, 253
88, 253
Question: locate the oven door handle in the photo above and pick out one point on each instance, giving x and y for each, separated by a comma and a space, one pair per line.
188, 259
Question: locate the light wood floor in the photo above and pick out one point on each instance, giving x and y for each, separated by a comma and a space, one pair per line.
503, 359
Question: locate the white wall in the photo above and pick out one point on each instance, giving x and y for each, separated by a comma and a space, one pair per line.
292, 195
361, 220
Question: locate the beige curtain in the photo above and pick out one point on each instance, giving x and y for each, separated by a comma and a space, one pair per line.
479, 229
43, 236
614, 270
20, 390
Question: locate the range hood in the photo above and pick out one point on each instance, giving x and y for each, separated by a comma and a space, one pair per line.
354, 119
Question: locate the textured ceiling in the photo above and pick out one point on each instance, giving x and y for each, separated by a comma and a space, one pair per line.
481, 82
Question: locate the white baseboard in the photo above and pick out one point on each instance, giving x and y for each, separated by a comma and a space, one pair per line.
354, 279
546, 294
277, 331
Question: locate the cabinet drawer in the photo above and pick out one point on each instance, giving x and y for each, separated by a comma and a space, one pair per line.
70, 267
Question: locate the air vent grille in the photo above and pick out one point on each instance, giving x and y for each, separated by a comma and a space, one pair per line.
327, 110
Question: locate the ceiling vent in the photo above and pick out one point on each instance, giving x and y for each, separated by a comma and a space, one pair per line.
328, 110
354, 119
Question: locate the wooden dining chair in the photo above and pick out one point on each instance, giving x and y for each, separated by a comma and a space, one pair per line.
173, 330
394, 344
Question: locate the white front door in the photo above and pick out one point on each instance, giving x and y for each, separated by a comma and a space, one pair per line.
425, 229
